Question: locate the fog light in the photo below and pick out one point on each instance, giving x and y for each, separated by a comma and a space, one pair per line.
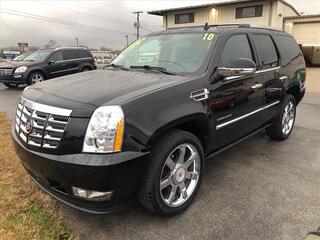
92, 195
17, 76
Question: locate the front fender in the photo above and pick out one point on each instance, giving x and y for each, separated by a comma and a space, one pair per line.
150, 116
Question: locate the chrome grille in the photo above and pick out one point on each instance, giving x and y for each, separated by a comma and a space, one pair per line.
6, 71
41, 125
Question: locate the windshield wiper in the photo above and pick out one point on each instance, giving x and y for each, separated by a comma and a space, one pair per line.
116, 66
153, 68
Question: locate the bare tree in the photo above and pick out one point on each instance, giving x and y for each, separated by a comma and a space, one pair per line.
51, 44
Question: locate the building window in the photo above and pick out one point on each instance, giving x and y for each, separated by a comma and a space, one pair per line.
248, 12
184, 18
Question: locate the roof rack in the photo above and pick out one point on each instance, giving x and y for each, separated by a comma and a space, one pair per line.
207, 26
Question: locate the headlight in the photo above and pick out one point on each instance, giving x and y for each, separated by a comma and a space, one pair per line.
105, 130
21, 69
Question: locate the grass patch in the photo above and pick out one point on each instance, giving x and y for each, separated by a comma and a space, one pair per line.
25, 212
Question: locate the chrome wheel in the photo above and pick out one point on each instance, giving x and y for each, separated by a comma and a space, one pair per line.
180, 175
288, 118
36, 77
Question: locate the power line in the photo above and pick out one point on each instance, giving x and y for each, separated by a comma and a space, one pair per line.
82, 13
59, 21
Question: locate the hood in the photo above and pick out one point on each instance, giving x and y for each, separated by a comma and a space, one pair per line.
90, 90
14, 64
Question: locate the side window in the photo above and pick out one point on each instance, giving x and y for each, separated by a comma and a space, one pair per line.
267, 53
68, 54
288, 48
83, 54
236, 47
56, 56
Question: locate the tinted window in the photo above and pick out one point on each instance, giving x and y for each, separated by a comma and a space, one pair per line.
247, 12
83, 54
236, 47
266, 50
56, 56
184, 18
69, 54
288, 48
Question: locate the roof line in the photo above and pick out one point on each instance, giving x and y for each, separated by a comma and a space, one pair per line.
291, 6
303, 16
161, 12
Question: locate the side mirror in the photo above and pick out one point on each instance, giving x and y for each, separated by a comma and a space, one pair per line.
51, 62
237, 67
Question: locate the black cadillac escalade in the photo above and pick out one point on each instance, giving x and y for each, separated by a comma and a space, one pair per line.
145, 125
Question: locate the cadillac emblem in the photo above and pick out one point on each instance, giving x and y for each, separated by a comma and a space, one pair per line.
29, 126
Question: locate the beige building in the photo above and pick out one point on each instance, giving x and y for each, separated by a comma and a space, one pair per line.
263, 13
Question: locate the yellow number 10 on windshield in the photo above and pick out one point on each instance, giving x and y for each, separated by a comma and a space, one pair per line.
208, 36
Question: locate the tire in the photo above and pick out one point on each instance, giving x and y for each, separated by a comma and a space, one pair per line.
11, 85
167, 167
35, 77
85, 69
283, 124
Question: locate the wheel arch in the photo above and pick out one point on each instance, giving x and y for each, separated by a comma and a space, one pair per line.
197, 124
37, 70
294, 90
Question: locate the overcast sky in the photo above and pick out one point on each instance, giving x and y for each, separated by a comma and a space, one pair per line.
95, 23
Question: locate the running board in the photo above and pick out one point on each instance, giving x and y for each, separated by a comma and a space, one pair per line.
236, 142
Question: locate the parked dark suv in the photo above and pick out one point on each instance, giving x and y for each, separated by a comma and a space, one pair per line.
147, 123
45, 64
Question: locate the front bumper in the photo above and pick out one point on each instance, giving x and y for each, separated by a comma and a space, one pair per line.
16, 78
56, 174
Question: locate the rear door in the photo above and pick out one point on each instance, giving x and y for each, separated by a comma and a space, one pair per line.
268, 74
72, 60
235, 100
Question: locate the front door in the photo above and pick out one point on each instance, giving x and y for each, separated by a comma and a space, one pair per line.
235, 101
55, 65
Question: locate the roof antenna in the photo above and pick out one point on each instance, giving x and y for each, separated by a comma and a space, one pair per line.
206, 27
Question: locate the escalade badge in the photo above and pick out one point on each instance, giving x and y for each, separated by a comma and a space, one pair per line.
29, 126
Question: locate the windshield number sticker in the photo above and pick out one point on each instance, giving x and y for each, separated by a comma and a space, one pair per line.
208, 36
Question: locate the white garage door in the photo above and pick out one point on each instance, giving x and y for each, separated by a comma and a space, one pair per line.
307, 33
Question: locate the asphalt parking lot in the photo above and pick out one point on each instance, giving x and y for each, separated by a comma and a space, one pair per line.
259, 189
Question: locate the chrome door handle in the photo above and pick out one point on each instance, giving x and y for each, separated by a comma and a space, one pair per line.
256, 86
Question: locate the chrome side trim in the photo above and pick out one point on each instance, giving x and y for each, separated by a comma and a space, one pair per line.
257, 72
246, 115
65, 70
45, 108
268, 70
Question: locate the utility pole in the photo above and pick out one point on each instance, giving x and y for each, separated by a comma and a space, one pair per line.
138, 22
127, 37
77, 40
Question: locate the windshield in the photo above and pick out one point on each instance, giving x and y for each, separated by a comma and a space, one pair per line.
177, 53
38, 56
21, 57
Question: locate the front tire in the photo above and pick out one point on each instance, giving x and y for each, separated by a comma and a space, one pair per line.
174, 174
35, 77
283, 124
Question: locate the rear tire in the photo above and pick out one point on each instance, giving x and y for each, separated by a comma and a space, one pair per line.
85, 69
11, 85
284, 122
174, 174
